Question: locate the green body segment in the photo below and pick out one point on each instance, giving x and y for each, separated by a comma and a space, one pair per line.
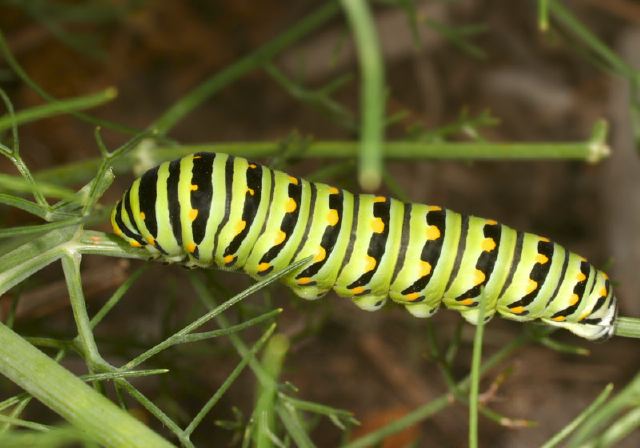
218, 210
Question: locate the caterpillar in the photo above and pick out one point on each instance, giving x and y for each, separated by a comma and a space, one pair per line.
214, 209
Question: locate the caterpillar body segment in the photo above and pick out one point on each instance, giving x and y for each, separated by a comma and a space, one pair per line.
211, 209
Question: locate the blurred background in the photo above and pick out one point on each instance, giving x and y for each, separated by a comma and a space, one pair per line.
455, 70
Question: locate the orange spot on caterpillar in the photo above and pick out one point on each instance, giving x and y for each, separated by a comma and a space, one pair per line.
228, 259
544, 239
377, 224
488, 244
492, 222
193, 214
253, 165
142, 215
303, 280
191, 247
604, 292
412, 296
370, 264
425, 268
333, 190
280, 237
518, 310
357, 290
581, 277
291, 205
240, 226
433, 233
542, 259
379, 199
251, 191
193, 187
532, 285
433, 208
467, 302
574, 299
263, 267
151, 241
197, 157
478, 277
321, 255
559, 318
293, 180
134, 243
333, 217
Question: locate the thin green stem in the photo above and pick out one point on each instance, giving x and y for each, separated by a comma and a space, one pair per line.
195, 337
71, 268
155, 411
38, 228
264, 412
588, 151
402, 150
168, 342
28, 177
229, 381
116, 296
19, 185
58, 107
622, 427
594, 425
372, 94
592, 408
563, 15
543, 15
29, 258
23, 423
19, 71
32, 208
475, 374
295, 428
336, 415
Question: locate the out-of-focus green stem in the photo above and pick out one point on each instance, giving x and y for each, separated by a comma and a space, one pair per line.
561, 13
590, 410
474, 388
58, 107
372, 95
592, 151
613, 61
543, 15
241, 67
19, 71
606, 415
264, 412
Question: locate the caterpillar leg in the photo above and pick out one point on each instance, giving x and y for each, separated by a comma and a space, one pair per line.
370, 302
309, 292
422, 310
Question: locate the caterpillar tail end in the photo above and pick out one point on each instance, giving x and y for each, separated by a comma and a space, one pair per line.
599, 326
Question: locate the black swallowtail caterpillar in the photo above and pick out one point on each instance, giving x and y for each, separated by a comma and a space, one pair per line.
215, 209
